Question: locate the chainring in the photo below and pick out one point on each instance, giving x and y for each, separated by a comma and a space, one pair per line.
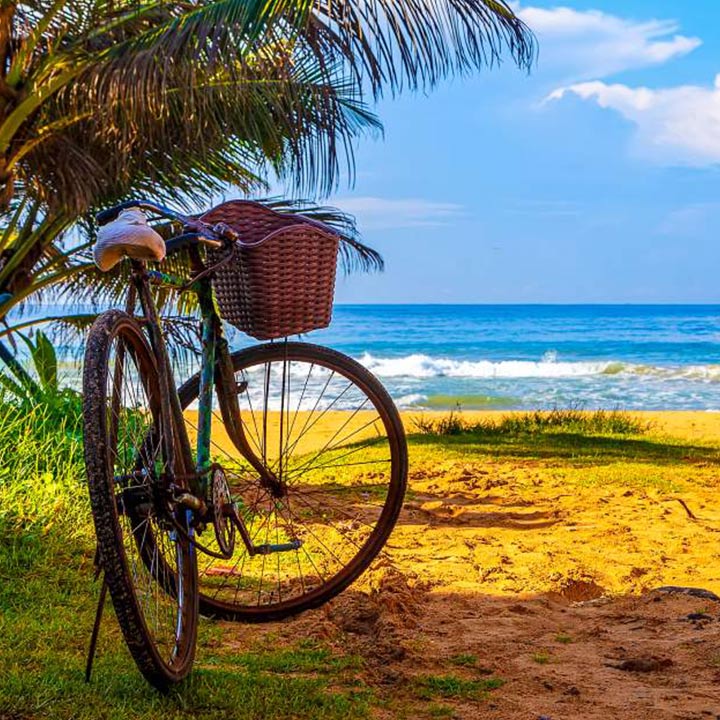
222, 512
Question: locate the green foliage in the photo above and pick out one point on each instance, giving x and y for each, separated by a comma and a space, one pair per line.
436, 710
451, 686
297, 659
47, 604
44, 359
464, 660
36, 390
538, 422
541, 658
450, 424
41, 469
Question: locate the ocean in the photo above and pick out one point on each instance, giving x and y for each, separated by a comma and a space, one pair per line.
635, 357
639, 357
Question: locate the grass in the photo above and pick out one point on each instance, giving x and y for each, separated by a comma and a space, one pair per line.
47, 597
41, 471
574, 420
437, 710
298, 659
47, 604
541, 658
453, 687
45, 626
464, 660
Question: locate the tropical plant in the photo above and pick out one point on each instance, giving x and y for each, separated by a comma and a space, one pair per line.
18, 384
102, 99
34, 390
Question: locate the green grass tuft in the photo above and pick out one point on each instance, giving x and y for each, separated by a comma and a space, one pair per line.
464, 660
573, 420
541, 658
295, 660
436, 710
451, 686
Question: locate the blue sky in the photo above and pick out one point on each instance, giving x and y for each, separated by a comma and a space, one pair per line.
594, 179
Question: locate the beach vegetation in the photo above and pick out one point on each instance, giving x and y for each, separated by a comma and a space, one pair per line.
310, 669
452, 686
464, 660
537, 422
438, 710
41, 384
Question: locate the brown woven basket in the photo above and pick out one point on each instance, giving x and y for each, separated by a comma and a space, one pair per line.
284, 283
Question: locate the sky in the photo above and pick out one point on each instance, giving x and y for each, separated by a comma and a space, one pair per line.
594, 179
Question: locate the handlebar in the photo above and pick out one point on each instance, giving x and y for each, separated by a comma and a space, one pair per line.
214, 236
106, 216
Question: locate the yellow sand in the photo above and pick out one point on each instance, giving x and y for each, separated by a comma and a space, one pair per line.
527, 519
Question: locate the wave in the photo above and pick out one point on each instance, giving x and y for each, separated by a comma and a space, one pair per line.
425, 366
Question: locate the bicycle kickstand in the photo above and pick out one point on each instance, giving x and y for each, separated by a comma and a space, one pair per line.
98, 617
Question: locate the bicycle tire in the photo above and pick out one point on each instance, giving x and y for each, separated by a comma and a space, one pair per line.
314, 356
155, 596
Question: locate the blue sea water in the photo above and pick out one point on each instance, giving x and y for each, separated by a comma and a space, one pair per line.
536, 356
526, 356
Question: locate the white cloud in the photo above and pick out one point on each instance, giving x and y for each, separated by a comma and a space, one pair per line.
584, 45
678, 125
690, 220
383, 213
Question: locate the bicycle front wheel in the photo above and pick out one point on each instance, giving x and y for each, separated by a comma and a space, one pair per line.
330, 435
143, 540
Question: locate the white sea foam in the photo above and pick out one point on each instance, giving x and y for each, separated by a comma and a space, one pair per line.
411, 400
425, 366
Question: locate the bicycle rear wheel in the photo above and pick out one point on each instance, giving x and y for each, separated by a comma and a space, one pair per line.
330, 434
150, 565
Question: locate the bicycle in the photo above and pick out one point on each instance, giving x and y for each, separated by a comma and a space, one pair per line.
278, 510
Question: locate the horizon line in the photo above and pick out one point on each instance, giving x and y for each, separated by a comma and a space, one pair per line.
533, 304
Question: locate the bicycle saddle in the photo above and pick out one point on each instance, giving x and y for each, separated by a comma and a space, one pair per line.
128, 235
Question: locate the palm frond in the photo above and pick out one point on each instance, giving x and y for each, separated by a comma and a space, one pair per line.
354, 254
102, 100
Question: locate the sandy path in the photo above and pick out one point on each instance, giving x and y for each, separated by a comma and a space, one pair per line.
545, 569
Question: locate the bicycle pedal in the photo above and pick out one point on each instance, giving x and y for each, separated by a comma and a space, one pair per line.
268, 548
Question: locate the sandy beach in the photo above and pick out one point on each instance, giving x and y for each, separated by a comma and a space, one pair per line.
540, 561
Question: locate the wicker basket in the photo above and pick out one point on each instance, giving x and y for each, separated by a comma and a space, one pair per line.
283, 284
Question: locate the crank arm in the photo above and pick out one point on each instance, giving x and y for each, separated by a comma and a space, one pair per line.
230, 511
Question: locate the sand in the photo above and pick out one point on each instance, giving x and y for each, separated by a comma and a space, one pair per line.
543, 568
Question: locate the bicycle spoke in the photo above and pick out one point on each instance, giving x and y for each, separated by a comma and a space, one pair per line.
329, 453
308, 464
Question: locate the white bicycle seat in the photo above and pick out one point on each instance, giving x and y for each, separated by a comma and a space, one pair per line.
129, 235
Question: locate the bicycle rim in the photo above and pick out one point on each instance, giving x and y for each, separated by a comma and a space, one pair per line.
331, 435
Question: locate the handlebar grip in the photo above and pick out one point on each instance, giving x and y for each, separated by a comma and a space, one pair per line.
226, 232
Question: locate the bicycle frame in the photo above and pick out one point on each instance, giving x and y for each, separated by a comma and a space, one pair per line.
213, 345
216, 372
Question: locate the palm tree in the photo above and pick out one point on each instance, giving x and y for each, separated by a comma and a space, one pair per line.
104, 99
